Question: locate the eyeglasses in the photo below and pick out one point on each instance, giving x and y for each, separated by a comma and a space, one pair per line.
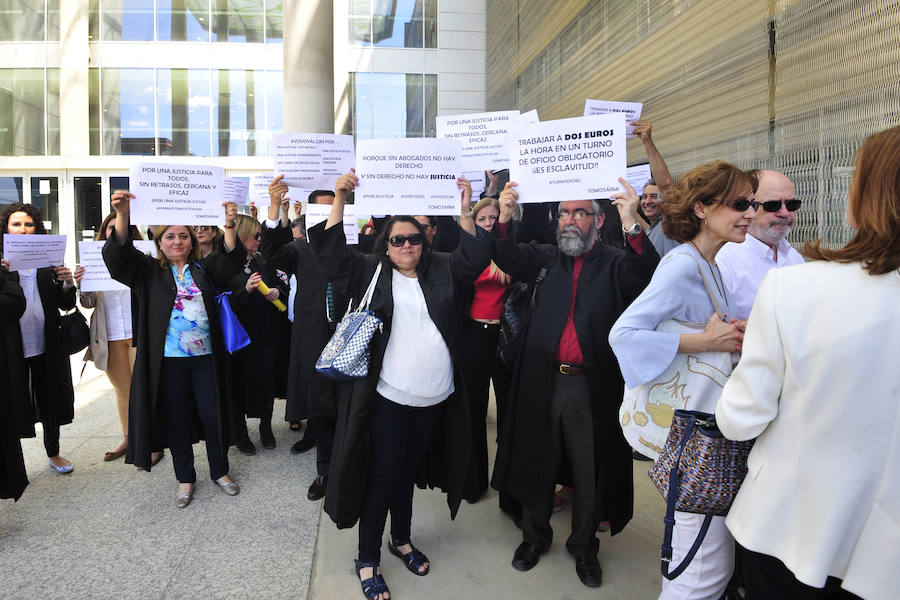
203, 227
741, 204
775, 205
651, 196
579, 214
397, 241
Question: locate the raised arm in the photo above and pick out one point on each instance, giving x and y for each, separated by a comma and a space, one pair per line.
123, 260
343, 187
658, 169
466, 222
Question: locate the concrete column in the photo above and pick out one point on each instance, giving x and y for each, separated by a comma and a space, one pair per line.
74, 139
308, 66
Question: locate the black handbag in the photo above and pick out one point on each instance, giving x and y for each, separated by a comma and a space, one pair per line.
74, 333
518, 305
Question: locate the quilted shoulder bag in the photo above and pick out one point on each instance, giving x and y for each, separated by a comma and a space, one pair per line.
233, 332
347, 354
699, 471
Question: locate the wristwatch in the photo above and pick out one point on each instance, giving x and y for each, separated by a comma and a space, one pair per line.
633, 231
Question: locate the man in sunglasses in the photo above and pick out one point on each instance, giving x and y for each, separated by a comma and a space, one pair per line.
744, 265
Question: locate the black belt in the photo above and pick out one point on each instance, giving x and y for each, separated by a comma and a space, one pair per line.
570, 369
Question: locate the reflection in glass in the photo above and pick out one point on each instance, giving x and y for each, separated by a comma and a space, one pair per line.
129, 20
274, 21
115, 183
240, 111
88, 207
22, 112
48, 203
393, 23
94, 111
127, 103
10, 190
53, 20
53, 112
94, 20
182, 20
183, 111
390, 105
22, 21
238, 21
274, 107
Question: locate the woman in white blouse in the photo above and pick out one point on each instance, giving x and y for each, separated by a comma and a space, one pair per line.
710, 205
818, 386
111, 346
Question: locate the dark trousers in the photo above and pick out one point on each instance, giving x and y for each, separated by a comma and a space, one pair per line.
400, 436
323, 430
569, 439
767, 578
480, 366
37, 373
188, 388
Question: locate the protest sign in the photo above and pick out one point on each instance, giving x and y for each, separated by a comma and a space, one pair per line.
476, 178
96, 276
316, 213
569, 159
259, 188
482, 138
527, 118
25, 251
408, 176
173, 194
313, 161
637, 176
235, 190
631, 110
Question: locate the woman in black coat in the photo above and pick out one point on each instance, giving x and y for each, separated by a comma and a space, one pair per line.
179, 372
13, 479
38, 372
255, 375
412, 404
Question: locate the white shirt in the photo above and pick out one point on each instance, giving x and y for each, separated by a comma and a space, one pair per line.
417, 369
32, 322
117, 310
744, 265
292, 296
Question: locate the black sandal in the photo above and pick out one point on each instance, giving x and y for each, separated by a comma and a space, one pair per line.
414, 559
374, 585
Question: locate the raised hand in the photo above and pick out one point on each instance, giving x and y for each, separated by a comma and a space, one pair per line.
509, 197
121, 202
641, 129
79, 274
627, 202
465, 186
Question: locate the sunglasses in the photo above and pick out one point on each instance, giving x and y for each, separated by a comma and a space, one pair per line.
203, 227
741, 204
775, 205
415, 239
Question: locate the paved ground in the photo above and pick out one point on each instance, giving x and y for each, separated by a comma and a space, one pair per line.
109, 530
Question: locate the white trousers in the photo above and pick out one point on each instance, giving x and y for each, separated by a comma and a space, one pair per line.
708, 574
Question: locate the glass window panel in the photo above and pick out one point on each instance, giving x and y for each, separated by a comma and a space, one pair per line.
22, 21
89, 209
53, 112
115, 183
94, 111
274, 107
274, 21
53, 20
183, 111
48, 203
94, 20
238, 21
21, 112
10, 190
360, 18
393, 23
182, 20
405, 105
127, 118
240, 113
129, 20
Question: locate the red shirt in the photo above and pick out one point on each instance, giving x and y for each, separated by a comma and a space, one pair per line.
488, 301
569, 350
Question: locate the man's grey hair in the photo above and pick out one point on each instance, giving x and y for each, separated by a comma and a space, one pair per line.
595, 206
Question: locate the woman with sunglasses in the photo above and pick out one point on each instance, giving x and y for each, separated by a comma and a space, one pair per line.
414, 385
209, 239
254, 376
178, 386
710, 205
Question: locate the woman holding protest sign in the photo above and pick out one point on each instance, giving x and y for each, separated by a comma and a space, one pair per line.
255, 368
179, 373
411, 408
38, 370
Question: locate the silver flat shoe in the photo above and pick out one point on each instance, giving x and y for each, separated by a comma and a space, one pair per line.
63, 470
231, 488
183, 500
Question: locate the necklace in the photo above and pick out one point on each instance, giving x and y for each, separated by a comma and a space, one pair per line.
720, 283
247, 269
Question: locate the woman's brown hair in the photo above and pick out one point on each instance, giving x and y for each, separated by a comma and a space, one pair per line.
160, 232
710, 183
101, 233
874, 208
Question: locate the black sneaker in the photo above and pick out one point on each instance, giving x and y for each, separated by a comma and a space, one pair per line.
246, 447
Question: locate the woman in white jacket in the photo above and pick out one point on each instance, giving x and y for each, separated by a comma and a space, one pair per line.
818, 385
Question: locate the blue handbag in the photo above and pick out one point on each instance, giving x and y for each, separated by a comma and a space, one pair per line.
234, 333
347, 354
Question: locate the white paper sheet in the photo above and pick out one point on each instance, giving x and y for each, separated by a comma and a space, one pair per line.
33, 251
96, 276
482, 137
637, 176
313, 161
236, 190
631, 110
316, 213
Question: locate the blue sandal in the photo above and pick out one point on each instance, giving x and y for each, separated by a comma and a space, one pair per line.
413, 559
374, 585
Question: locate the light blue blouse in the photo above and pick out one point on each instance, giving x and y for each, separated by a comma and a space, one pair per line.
188, 331
675, 292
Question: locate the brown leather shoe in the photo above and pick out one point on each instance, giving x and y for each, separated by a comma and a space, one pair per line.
114, 455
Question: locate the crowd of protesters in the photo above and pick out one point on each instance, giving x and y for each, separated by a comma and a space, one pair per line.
804, 356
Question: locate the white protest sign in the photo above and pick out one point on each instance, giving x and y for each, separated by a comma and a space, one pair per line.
482, 138
316, 213
173, 194
33, 251
235, 190
637, 176
259, 188
631, 110
476, 178
569, 159
527, 118
313, 161
96, 276
408, 176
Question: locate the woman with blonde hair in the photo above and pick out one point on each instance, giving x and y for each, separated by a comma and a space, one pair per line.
817, 386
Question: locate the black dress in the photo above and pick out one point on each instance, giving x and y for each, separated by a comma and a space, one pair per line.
13, 479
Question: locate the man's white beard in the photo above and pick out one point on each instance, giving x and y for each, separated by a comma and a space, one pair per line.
576, 245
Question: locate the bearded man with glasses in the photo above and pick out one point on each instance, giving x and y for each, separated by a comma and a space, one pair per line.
744, 265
